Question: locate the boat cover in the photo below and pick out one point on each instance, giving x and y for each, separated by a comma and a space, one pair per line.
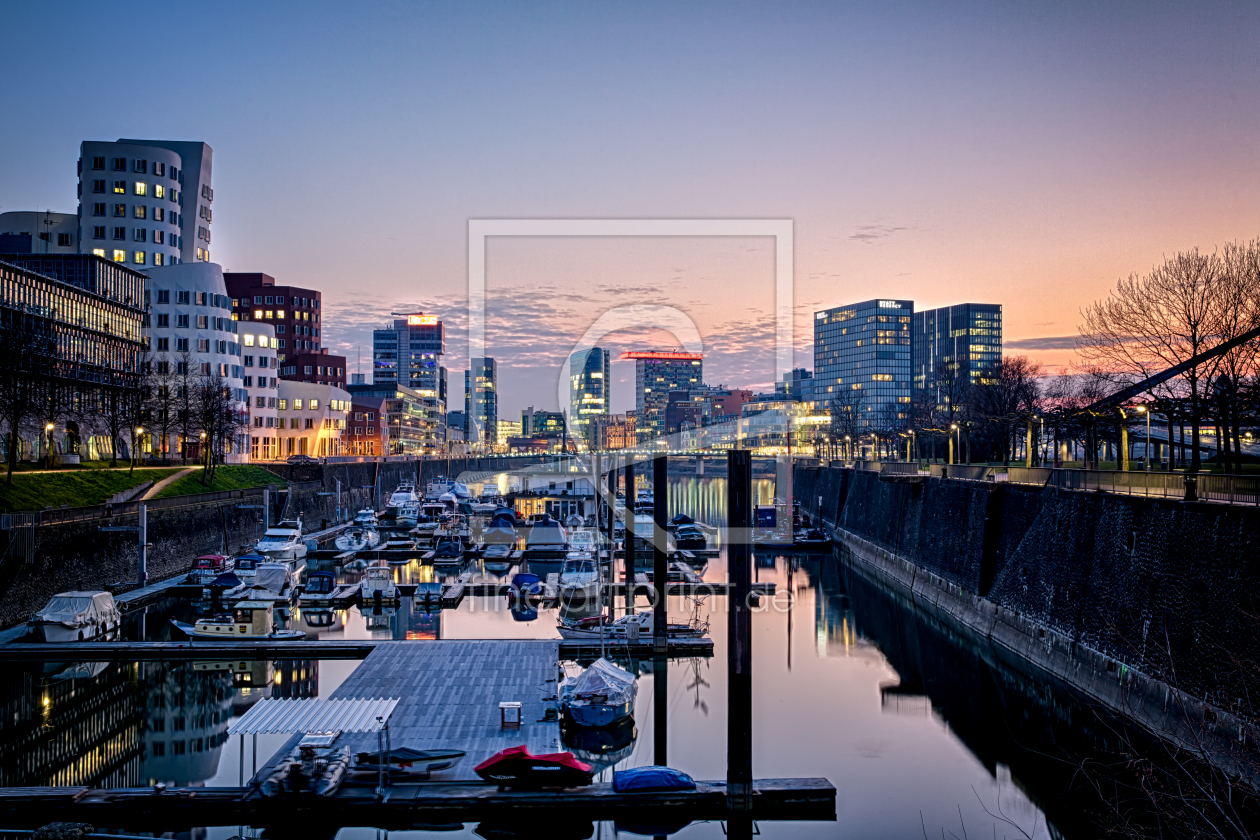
271, 576
78, 609
652, 777
682, 519
227, 580
602, 679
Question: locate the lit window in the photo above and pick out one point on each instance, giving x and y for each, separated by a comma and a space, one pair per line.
100, 252
262, 341
279, 314
142, 188
284, 404
249, 341
157, 259
139, 258
270, 314
297, 405
120, 187
120, 256
314, 404
159, 191
258, 313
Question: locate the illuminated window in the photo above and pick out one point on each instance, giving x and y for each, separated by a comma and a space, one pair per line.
159, 191
249, 341
120, 187
297, 405
279, 314
120, 209
314, 404
142, 188
157, 259
139, 258
262, 341
100, 252
271, 314
120, 256
258, 313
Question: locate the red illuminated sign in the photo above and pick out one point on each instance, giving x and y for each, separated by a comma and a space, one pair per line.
651, 354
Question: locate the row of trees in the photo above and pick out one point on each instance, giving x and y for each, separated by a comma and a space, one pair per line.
1172, 316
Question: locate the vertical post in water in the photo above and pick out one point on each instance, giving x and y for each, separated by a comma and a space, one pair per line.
142, 521
660, 558
266, 522
611, 500
739, 632
628, 554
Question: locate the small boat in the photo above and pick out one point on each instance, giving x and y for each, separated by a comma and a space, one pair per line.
314, 768
272, 580
206, 568
527, 583
584, 541
405, 761
407, 514
448, 551
518, 767
546, 539
430, 516
366, 518
378, 586
680, 519
628, 626
454, 525
399, 543
574, 521
319, 589
248, 620
357, 538
246, 566
322, 619
690, 537
812, 538
601, 695
77, 617
283, 541
579, 579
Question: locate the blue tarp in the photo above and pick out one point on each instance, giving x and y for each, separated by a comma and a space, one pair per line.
652, 778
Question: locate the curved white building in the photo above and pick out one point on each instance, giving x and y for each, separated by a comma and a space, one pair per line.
190, 312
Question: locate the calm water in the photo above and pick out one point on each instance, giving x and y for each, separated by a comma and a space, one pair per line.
915, 728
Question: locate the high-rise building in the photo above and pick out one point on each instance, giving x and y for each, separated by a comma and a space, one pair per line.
797, 383
409, 352
656, 373
295, 312
39, 232
966, 337
481, 401
541, 423
590, 390
146, 202
862, 361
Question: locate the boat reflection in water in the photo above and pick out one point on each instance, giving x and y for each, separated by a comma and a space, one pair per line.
601, 747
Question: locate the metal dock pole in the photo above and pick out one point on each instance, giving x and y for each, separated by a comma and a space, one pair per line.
660, 558
628, 560
739, 782
142, 526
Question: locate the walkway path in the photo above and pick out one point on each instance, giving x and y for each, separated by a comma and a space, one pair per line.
162, 485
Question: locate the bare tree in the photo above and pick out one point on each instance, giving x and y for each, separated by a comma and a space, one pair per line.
185, 382
1154, 322
24, 353
1238, 313
163, 402
846, 408
1009, 399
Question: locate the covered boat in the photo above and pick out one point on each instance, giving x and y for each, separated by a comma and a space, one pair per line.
77, 617
546, 539
357, 538
652, 778
601, 695
314, 768
628, 627
690, 537
246, 566
518, 767
206, 568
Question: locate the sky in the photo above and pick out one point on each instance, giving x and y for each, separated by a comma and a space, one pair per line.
1014, 153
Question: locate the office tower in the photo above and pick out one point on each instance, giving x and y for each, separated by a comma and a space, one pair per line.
797, 383
295, 312
481, 402
862, 362
39, 232
966, 338
407, 353
145, 202
590, 390
657, 373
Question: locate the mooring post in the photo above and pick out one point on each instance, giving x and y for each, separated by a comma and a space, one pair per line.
611, 500
739, 632
266, 523
628, 554
660, 557
142, 523
660, 709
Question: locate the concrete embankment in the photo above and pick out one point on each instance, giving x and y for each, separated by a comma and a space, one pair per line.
1143, 604
78, 555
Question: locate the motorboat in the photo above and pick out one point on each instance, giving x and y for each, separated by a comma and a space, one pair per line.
448, 551
407, 514
357, 538
283, 541
454, 525
314, 768
377, 616
690, 538
600, 747
679, 520
206, 568
430, 516
378, 585
579, 579
573, 521
248, 620
399, 542
518, 767
546, 539
584, 541
408, 762
627, 628
812, 538
77, 617
525, 584
366, 518
319, 589
245, 566
403, 495
601, 695
272, 580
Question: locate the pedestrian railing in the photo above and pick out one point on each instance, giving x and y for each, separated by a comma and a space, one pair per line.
1230, 489
52, 516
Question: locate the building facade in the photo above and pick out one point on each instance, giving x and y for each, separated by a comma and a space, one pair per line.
321, 368
312, 419
409, 353
862, 361
481, 402
614, 431
44, 232
414, 425
84, 335
657, 373
966, 338
590, 390
294, 311
261, 383
366, 427
505, 429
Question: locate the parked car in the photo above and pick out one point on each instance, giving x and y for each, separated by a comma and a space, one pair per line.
302, 459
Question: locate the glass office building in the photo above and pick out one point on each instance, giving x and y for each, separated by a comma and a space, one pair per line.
589, 384
862, 357
968, 335
481, 401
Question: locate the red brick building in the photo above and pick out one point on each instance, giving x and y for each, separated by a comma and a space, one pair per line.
293, 310
322, 368
365, 428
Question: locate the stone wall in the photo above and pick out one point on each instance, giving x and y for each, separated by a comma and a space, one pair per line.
1167, 588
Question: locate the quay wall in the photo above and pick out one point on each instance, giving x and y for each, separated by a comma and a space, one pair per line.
1166, 589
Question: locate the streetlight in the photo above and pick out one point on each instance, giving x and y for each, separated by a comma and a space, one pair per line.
848, 448
49, 430
953, 427
1147, 451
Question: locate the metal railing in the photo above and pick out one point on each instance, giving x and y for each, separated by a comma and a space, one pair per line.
52, 516
1211, 487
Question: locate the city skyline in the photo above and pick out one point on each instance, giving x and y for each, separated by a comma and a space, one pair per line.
1027, 158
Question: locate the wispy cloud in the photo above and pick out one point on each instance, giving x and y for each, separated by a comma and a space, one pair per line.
1050, 342
872, 233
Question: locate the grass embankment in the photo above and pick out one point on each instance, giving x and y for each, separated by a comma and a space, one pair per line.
73, 489
227, 477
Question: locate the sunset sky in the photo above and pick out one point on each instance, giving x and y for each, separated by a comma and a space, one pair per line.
1014, 153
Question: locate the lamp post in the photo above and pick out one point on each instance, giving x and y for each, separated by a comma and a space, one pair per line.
1146, 452
953, 427
48, 430
848, 448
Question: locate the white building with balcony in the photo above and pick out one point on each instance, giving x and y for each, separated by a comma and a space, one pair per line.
311, 419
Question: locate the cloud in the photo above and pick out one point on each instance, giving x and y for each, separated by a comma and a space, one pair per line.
870, 233
1050, 342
